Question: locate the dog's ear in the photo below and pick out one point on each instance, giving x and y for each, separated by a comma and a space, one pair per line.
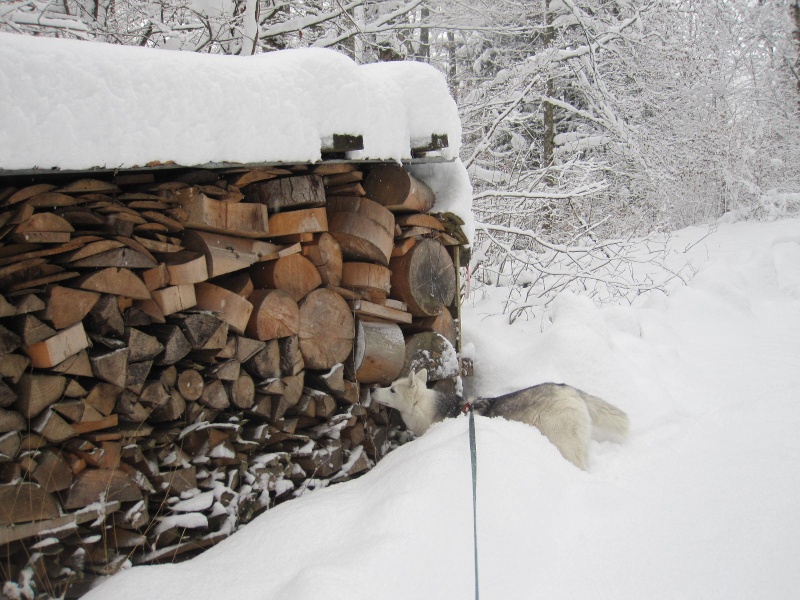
422, 376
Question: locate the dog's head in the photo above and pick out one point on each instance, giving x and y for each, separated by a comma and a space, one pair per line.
402, 395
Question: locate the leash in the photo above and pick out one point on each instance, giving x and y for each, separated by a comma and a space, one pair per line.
473, 454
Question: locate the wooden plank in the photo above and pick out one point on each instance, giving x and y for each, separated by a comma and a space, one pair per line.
367, 309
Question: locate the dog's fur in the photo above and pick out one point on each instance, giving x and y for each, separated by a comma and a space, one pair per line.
567, 416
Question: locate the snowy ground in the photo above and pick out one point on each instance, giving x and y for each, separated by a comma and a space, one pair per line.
702, 502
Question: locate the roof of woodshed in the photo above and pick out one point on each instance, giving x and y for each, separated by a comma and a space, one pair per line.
79, 105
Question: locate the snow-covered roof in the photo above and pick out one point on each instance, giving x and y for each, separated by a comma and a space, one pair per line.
78, 105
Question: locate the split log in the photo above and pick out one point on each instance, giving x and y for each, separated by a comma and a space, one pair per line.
113, 280
238, 283
56, 349
171, 409
366, 276
288, 193
190, 384
121, 256
11, 420
9, 445
53, 427
326, 329
214, 395
243, 219
260, 174
43, 228
395, 188
295, 274
378, 352
52, 472
309, 220
176, 346
66, 306
420, 220
230, 306
26, 502
105, 317
242, 391
157, 277
204, 331
7, 395
12, 366
226, 253
26, 192
103, 396
138, 373
78, 365
361, 238
98, 485
265, 364
143, 347
37, 391
325, 254
275, 315
424, 278
363, 207
30, 329
111, 366
185, 267
291, 357
172, 299
9, 341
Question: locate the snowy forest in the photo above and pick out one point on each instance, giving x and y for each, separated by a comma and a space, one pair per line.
590, 126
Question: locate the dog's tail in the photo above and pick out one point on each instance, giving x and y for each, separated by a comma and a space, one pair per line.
607, 419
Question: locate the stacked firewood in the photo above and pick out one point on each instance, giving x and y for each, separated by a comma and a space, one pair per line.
182, 349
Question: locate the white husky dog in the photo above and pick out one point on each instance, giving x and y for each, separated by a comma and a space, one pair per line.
565, 415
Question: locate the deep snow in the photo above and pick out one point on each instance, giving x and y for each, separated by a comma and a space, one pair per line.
701, 502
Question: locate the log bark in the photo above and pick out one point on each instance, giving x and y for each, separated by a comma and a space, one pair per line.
392, 186
378, 353
326, 329
288, 192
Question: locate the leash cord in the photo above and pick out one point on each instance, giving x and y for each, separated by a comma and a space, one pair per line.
473, 453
